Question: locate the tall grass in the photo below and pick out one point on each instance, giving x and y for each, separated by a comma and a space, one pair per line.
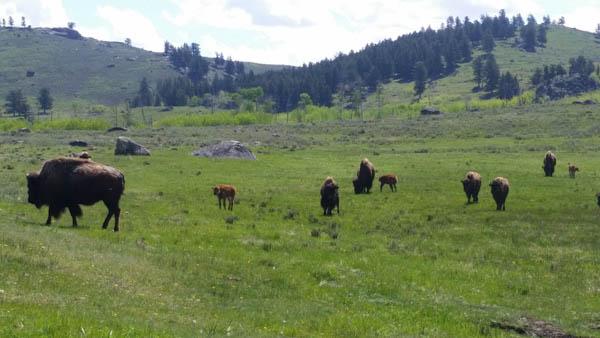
12, 124
71, 124
216, 119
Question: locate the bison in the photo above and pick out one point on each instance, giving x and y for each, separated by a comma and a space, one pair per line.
225, 192
365, 177
390, 179
549, 163
572, 169
68, 182
500, 187
330, 197
598, 196
471, 185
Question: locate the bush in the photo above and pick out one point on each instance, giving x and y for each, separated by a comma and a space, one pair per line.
12, 124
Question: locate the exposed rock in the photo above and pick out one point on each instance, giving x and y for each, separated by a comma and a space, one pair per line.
585, 103
24, 130
30, 73
532, 327
125, 146
430, 111
116, 129
226, 149
78, 143
67, 33
112, 65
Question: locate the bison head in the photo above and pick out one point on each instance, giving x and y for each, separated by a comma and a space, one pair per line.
215, 190
34, 189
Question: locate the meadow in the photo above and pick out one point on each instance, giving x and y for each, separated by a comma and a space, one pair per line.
418, 262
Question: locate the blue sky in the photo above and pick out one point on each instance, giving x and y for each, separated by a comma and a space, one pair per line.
275, 31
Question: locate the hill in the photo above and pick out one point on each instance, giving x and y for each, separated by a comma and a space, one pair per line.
79, 68
563, 44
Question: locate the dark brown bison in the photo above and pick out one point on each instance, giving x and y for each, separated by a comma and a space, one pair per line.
225, 192
598, 196
68, 182
572, 169
390, 179
500, 187
330, 197
549, 163
471, 185
365, 177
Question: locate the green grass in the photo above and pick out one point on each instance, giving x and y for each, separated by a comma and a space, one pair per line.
418, 262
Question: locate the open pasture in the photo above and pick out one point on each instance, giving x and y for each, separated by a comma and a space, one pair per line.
416, 262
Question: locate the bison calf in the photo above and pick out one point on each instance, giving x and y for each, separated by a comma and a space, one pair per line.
225, 192
500, 187
471, 185
549, 164
572, 170
390, 179
330, 197
68, 182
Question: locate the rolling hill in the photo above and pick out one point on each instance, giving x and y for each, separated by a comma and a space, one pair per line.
76, 68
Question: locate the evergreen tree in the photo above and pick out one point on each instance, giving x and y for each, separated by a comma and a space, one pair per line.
541, 35
128, 42
529, 33
229, 66
16, 103
582, 66
23, 24
11, 22
71, 25
508, 86
420, 79
491, 73
478, 70
144, 96
487, 42
45, 100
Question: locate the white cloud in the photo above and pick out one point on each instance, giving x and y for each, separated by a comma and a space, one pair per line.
120, 24
585, 18
44, 13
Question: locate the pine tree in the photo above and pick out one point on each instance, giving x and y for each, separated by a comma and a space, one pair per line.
541, 35
491, 73
478, 70
16, 103
487, 42
528, 34
420, 79
508, 86
45, 101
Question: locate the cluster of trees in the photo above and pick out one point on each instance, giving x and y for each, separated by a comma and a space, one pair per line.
16, 103
420, 56
533, 35
554, 81
11, 22
487, 76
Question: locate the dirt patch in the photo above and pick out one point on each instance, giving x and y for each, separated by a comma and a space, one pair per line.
532, 327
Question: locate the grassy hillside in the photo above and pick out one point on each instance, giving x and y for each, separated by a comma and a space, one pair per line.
418, 262
563, 44
79, 70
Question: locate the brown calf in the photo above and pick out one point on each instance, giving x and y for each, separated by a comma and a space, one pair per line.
572, 170
390, 179
225, 192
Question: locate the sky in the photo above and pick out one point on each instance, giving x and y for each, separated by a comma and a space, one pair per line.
287, 32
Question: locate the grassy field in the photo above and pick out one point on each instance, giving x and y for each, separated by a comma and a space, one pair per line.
418, 262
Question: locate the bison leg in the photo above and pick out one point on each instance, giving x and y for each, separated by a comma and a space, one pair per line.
230, 203
49, 219
107, 219
75, 211
381, 186
117, 213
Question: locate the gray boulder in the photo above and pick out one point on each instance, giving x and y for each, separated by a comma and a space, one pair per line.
125, 146
430, 111
78, 143
226, 149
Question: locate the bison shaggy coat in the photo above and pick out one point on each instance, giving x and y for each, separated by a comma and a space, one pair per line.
471, 185
365, 177
500, 187
330, 197
549, 164
225, 192
390, 179
68, 182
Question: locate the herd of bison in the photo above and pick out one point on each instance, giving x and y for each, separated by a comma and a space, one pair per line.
66, 182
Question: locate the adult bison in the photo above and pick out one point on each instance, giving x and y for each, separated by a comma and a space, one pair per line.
365, 176
500, 187
598, 196
471, 185
549, 163
68, 182
330, 197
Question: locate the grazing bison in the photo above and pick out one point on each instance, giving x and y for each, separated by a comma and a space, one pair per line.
549, 163
365, 177
572, 170
68, 182
471, 185
500, 187
330, 197
598, 196
390, 179
225, 192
